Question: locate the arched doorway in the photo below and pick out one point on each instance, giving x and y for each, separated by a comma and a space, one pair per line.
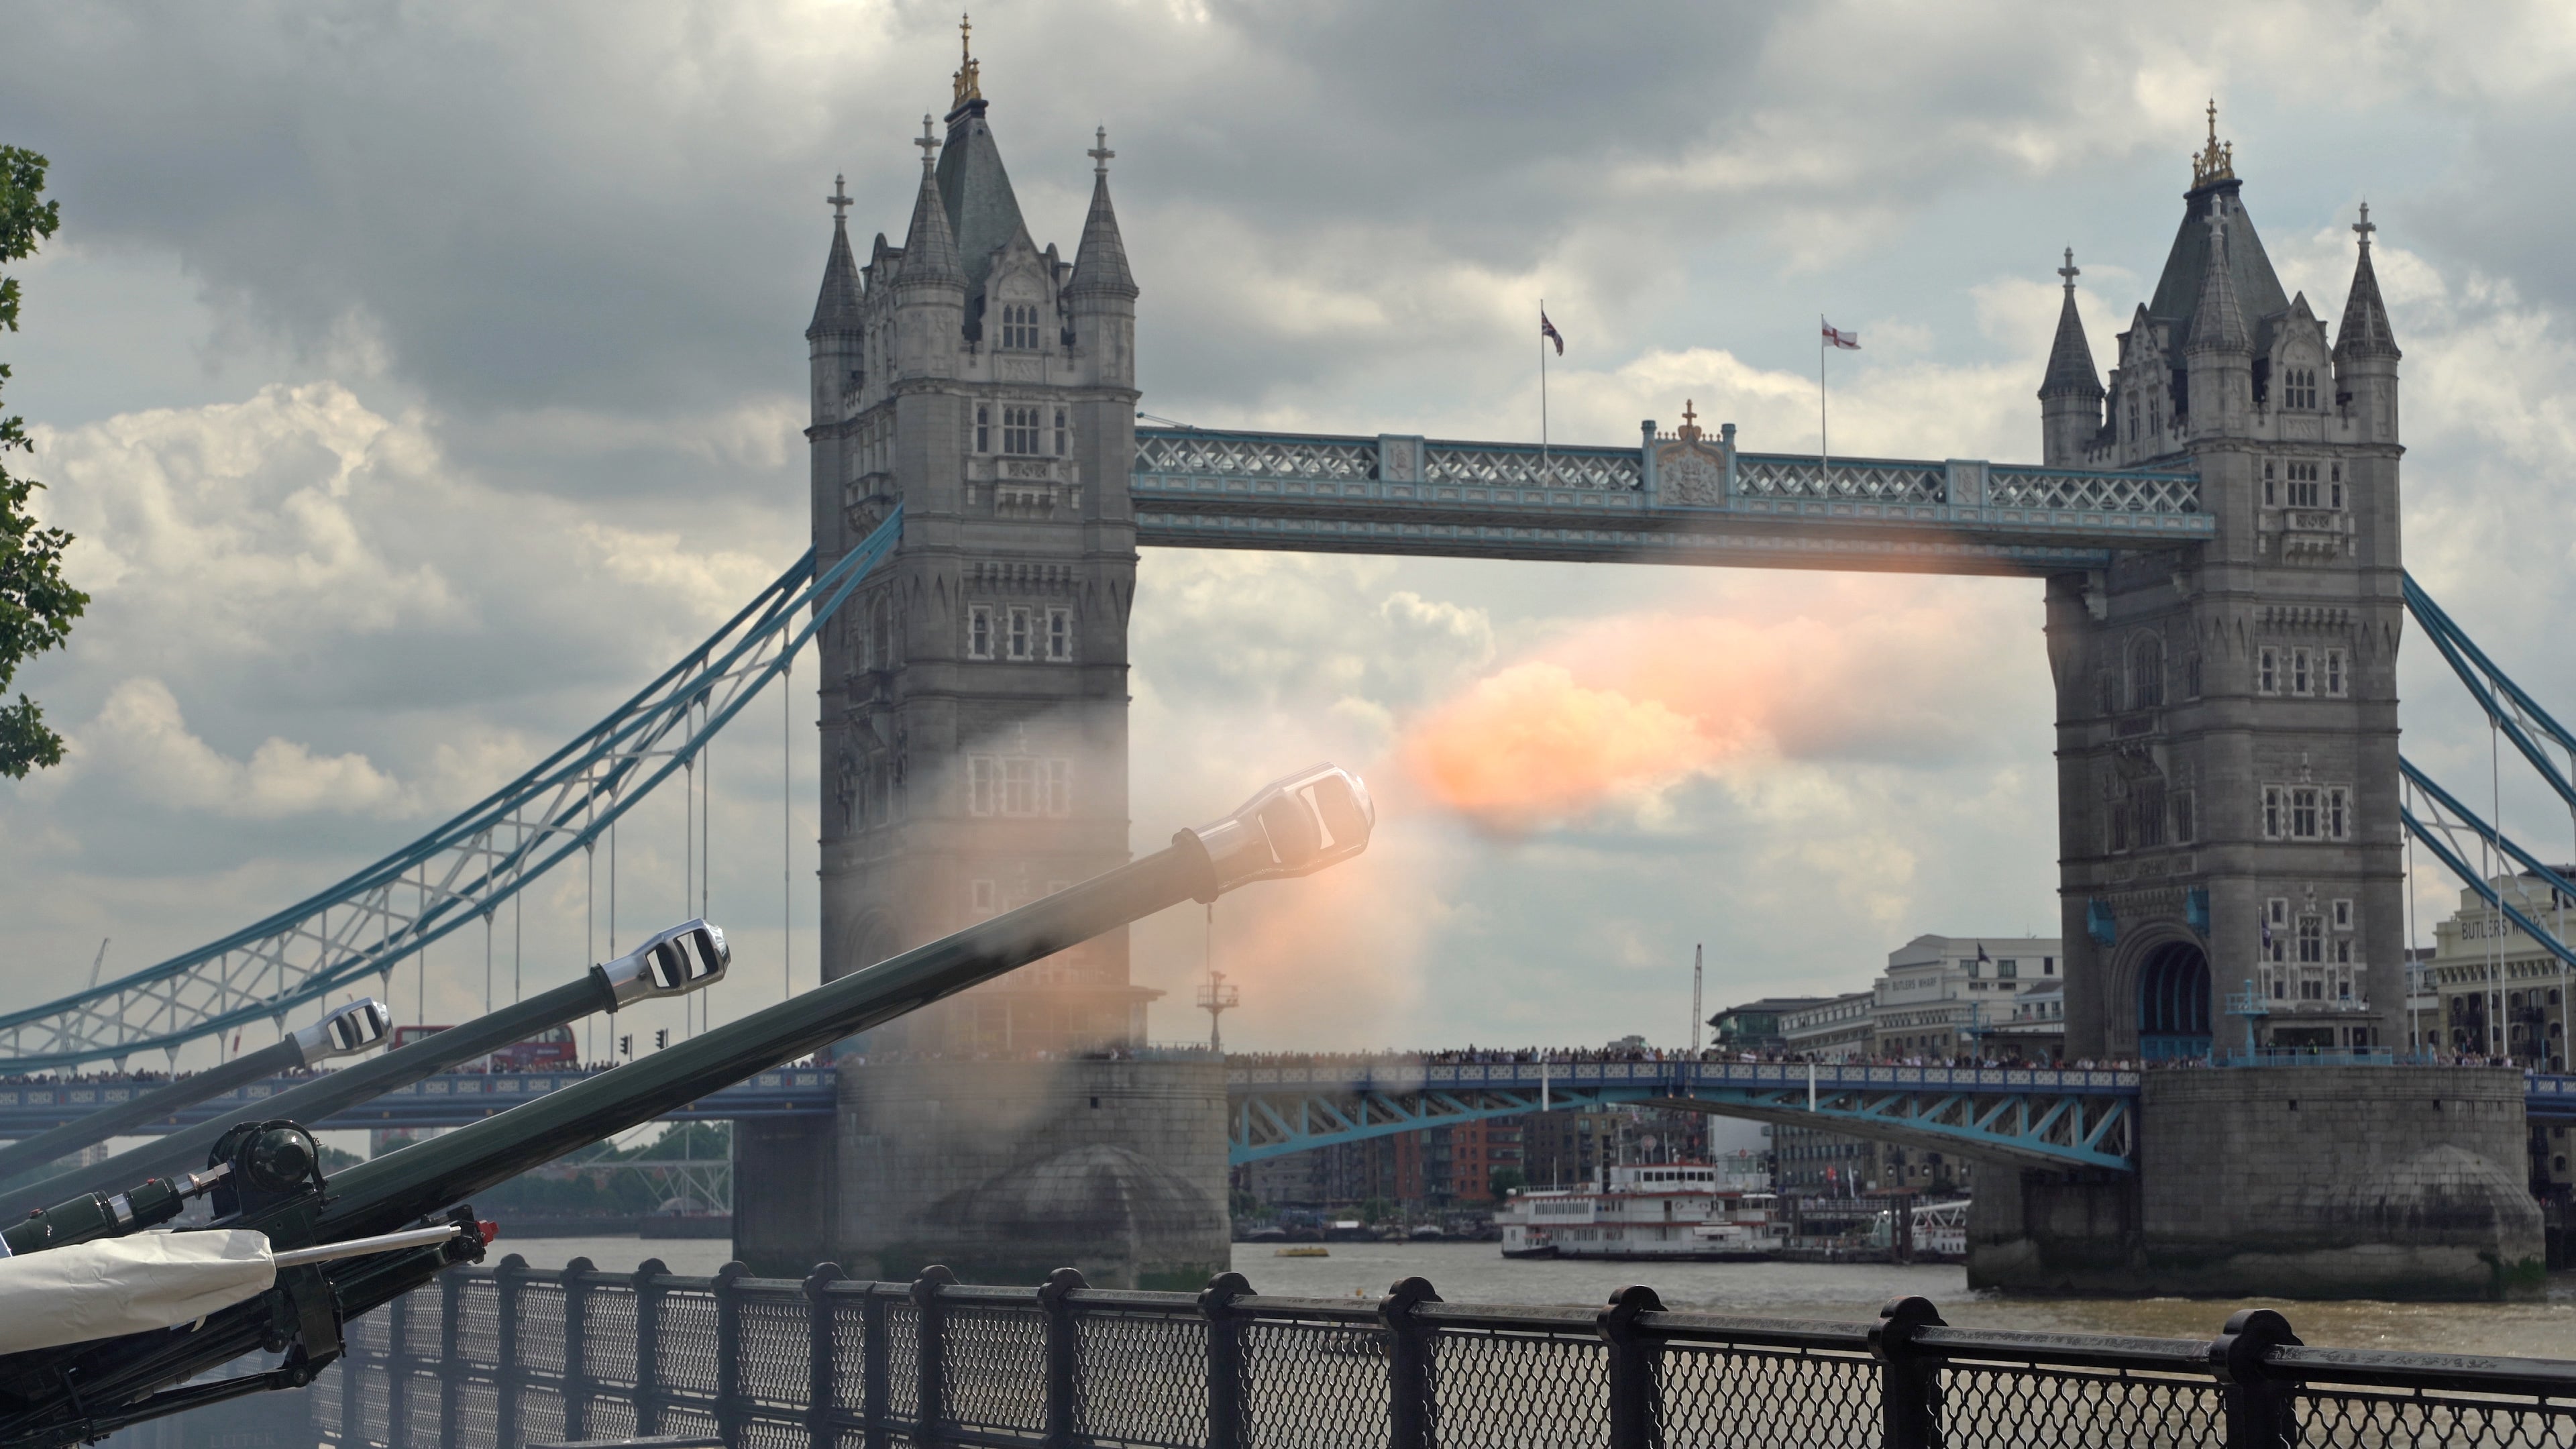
2173, 1003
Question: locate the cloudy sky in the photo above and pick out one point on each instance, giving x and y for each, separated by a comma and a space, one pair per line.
422, 378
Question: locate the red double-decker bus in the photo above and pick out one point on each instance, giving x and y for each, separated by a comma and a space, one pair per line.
550, 1050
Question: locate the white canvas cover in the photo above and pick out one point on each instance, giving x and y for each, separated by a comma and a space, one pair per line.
127, 1285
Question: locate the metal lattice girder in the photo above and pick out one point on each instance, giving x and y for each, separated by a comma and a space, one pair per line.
2031, 1117
1408, 495
2437, 818
365, 925
2513, 710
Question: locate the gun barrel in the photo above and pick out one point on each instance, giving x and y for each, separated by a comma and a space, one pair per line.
354, 1027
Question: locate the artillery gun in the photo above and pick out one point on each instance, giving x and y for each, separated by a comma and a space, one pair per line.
343, 1032
265, 1176
685, 958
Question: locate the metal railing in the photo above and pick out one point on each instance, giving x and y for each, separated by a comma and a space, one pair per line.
496, 1358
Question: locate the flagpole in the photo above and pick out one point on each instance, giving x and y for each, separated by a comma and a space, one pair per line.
1542, 387
1824, 439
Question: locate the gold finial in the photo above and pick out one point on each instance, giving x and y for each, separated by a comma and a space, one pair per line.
1690, 430
969, 74
2216, 162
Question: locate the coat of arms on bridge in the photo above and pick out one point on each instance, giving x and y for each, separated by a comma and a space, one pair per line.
1688, 469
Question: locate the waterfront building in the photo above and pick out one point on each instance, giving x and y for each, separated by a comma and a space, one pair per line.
2500, 994
2036, 1030
1941, 993
1756, 1025
1834, 1029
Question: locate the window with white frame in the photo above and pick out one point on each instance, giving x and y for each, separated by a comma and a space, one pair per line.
1062, 433
2338, 821
1020, 431
2304, 812
2303, 486
2312, 940
2267, 669
2275, 812
1020, 326
2299, 388
979, 631
983, 774
1019, 638
1019, 785
983, 428
1059, 642
2299, 675
2334, 679
2276, 928
2343, 915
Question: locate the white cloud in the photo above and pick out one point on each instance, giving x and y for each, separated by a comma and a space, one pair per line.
141, 741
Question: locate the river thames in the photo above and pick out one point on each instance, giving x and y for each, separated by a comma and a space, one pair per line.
1478, 1273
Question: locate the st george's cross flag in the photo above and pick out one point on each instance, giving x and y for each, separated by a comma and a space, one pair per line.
1548, 330
1849, 341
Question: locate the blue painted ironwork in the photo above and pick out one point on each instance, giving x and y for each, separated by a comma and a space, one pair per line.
2032, 1117
365, 925
2506, 703
450, 1099
1198, 488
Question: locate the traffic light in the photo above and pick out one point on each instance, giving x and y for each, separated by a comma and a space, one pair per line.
626, 1045
661, 1038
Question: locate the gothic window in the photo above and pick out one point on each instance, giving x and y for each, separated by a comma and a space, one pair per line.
1019, 633
2334, 677
2343, 952
2191, 677
2119, 830
2267, 670
2271, 486
880, 636
1019, 786
2133, 420
1060, 635
1020, 326
2299, 671
979, 632
2304, 817
2303, 486
2312, 941
2146, 672
2276, 925
983, 428
2108, 690
2186, 820
1020, 431
2273, 812
2338, 821
2343, 915
2147, 813
1060, 432
2300, 388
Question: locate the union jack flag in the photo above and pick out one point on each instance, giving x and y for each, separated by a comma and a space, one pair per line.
1548, 330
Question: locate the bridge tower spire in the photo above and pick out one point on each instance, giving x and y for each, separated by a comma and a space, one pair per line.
2070, 395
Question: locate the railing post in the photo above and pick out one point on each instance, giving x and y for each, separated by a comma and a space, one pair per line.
1409, 1406
648, 1346
1909, 1389
505, 1367
822, 1385
872, 1375
1064, 1358
397, 1376
576, 1347
1227, 1376
2262, 1411
1636, 1420
930, 1399
728, 1291
451, 1369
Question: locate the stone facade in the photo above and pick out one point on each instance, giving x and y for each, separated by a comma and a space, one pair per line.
2302, 1182
2227, 713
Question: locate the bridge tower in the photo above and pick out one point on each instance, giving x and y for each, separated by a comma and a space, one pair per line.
974, 747
2227, 711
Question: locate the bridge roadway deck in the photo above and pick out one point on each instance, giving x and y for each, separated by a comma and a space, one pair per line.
1281, 1109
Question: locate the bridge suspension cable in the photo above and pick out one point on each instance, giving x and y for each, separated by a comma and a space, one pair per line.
368, 923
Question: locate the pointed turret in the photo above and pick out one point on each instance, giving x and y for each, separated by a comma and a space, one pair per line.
2365, 331
2070, 395
2218, 319
836, 306
929, 247
1100, 264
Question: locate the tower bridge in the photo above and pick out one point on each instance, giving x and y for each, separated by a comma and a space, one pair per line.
2215, 527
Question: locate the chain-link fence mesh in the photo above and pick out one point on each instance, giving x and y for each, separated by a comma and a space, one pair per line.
605, 1356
